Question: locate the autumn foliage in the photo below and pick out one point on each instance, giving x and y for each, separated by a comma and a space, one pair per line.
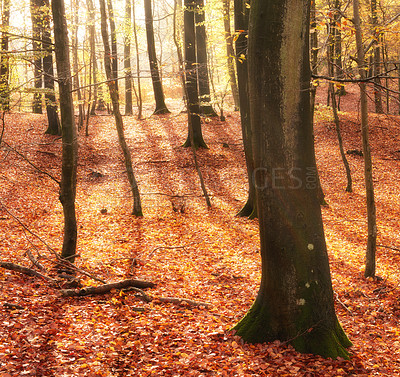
189, 252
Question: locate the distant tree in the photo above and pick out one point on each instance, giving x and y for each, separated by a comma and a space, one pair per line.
191, 85
370, 262
53, 126
75, 60
230, 53
242, 25
202, 61
37, 61
4, 59
376, 63
69, 134
127, 58
113, 90
93, 60
161, 107
295, 302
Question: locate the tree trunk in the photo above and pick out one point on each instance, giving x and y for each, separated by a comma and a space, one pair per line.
69, 138
54, 126
92, 42
376, 62
242, 26
230, 53
127, 58
114, 50
202, 61
370, 264
194, 130
138, 93
113, 89
37, 61
331, 88
161, 107
315, 83
75, 60
4, 61
295, 301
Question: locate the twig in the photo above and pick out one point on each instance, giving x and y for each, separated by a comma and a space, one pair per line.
176, 300
389, 247
170, 248
341, 303
34, 260
25, 270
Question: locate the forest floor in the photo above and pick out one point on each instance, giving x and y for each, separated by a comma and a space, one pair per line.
208, 256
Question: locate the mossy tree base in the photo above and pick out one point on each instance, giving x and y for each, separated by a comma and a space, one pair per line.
249, 210
320, 339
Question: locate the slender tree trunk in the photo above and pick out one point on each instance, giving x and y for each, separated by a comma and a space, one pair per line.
331, 72
161, 107
4, 61
139, 99
92, 43
127, 58
376, 65
194, 130
242, 26
69, 138
37, 61
114, 50
113, 89
54, 125
230, 53
370, 264
202, 61
81, 114
315, 83
337, 41
295, 301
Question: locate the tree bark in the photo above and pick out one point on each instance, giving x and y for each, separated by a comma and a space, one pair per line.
138, 93
69, 139
113, 90
92, 42
295, 301
370, 263
161, 107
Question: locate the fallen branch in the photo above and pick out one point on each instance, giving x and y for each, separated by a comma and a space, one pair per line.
388, 247
105, 288
24, 270
176, 300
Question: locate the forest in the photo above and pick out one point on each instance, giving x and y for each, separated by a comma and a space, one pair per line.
199, 188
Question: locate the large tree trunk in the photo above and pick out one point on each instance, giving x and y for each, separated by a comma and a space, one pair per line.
4, 61
295, 301
54, 126
202, 61
194, 130
161, 107
369, 184
69, 138
113, 90
241, 26
230, 53
37, 60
